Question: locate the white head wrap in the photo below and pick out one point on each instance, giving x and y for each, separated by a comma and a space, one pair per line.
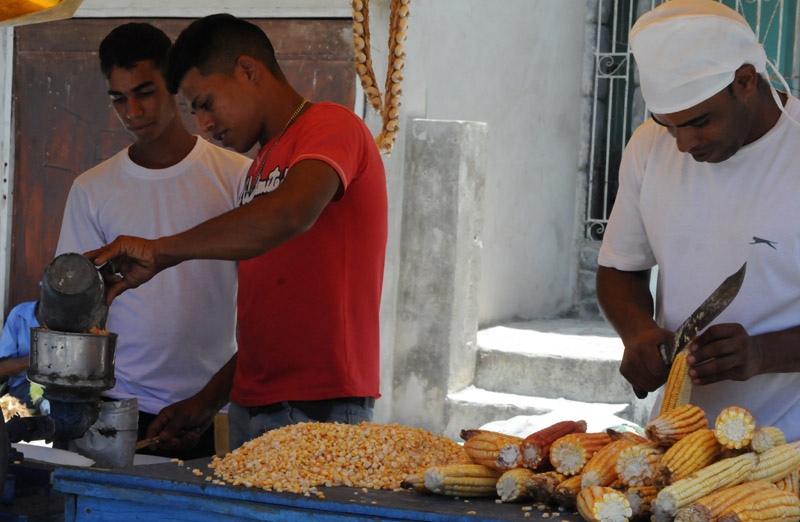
689, 50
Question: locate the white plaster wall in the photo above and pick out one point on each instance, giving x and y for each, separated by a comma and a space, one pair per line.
516, 65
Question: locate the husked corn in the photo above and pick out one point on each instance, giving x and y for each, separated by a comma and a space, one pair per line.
303, 456
790, 482
636, 464
769, 505
766, 438
722, 474
734, 427
603, 504
711, 506
693, 452
670, 427
775, 464
640, 498
570, 453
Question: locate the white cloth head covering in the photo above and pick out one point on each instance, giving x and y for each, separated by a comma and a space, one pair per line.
689, 50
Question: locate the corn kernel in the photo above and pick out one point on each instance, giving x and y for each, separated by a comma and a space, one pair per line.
300, 457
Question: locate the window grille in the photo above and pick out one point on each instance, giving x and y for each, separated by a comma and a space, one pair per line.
617, 105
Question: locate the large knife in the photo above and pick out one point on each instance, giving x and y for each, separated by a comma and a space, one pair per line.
700, 318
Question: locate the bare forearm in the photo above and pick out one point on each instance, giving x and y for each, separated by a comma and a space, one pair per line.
259, 226
625, 300
12, 366
780, 351
217, 391
242, 233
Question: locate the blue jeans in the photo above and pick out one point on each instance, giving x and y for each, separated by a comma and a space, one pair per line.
243, 427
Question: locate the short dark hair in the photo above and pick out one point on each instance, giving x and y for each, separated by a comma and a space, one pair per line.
213, 45
131, 43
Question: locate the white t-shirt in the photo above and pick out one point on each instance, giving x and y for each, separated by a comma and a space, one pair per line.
699, 222
177, 330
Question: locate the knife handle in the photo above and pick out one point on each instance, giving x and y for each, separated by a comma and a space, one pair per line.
640, 394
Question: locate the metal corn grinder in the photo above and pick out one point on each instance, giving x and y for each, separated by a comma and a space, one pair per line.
72, 366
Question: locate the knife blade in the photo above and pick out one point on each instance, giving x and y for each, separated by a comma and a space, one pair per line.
709, 310
703, 316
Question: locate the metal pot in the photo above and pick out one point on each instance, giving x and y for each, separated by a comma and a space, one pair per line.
73, 295
72, 364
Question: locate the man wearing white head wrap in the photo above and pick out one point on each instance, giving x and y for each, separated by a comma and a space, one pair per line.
709, 182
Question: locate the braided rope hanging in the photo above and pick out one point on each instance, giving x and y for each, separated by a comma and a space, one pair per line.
388, 104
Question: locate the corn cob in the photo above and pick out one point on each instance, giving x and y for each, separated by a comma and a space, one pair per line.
769, 505
640, 498
775, 464
766, 438
670, 427
515, 484
567, 492
679, 386
617, 484
415, 481
570, 453
601, 470
462, 480
636, 464
602, 504
543, 485
693, 452
626, 435
734, 427
710, 507
536, 446
790, 482
722, 474
494, 450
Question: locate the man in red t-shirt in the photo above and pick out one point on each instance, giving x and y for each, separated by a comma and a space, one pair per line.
310, 234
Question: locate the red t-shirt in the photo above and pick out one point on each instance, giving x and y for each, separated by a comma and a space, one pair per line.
309, 308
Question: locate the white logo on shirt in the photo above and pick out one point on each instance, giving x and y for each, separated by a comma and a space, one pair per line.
255, 186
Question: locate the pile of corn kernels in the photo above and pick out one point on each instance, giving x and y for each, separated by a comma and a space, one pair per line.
300, 457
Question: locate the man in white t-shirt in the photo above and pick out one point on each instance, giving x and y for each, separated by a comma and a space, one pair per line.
176, 334
710, 182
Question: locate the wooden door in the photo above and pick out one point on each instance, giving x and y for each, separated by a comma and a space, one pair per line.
64, 123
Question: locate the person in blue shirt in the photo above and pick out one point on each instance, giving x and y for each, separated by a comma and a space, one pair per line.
15, 347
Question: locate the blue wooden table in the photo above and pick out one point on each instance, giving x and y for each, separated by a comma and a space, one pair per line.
168, 491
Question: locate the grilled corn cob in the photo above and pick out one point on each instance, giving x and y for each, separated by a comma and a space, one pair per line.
570, 453
710, 507
722, 474
494, 450
462, 480
775, 464
679, 386
790, 482
693, 452
536, 446
543, 485
636, 465
640, 498
601, 470
514, 485
734, 427
603, 504
766, 438
567, 492
769, 505
670, 427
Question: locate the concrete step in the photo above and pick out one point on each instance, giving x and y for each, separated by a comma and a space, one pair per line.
574, 359
521, 415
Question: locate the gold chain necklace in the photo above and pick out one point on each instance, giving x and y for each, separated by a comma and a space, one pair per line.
291, 119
